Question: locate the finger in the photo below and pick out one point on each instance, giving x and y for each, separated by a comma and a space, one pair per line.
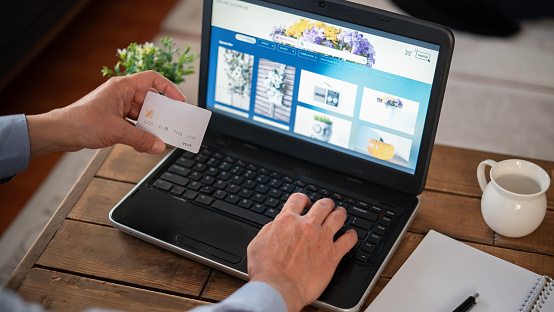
345, 242
140, 140
334, 221
151, 79
296, 203
321, 209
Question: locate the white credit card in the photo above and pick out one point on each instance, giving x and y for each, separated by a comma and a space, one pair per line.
177, 123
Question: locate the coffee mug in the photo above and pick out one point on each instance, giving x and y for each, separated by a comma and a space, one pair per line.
514, 201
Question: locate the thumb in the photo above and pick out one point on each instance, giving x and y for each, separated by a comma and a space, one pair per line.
141, 140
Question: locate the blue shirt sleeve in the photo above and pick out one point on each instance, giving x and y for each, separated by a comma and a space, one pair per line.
15, 147
252, 297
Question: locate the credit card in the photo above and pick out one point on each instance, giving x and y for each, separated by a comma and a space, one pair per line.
177, 123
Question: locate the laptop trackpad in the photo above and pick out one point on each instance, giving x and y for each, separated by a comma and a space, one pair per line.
218, 235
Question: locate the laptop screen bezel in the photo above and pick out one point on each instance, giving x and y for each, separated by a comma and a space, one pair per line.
355, 167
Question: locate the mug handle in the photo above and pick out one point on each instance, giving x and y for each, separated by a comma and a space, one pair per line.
481, 172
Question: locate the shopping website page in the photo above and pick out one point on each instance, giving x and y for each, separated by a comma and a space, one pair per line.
352, 89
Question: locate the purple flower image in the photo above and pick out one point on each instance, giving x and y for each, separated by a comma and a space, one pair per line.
329, 36
315, 35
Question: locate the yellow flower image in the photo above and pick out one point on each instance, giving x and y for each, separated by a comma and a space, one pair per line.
331, 33
297, 28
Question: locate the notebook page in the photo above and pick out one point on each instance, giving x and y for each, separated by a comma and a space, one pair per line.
442, 272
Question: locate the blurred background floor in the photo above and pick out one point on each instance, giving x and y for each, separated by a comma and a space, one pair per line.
499, 97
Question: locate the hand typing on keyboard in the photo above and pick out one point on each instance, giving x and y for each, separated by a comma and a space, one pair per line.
296, 253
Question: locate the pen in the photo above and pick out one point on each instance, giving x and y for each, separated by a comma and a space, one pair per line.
467, 304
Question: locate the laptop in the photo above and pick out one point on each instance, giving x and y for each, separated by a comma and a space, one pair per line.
328, 98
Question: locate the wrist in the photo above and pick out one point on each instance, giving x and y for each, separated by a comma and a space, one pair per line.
288, 290
48, 133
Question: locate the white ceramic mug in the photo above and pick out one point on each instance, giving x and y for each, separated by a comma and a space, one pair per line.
514, 202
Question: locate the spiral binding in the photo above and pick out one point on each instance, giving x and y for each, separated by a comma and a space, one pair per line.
538, 296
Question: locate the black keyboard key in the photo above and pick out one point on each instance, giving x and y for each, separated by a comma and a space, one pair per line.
200, 167
276, 175
249, 174
369, 247
362, 213
162, 184
249, 184
185, 162
380, 229
195, 186
208, 180
314, 196
212, 172
220, 194
246, 193
232, 198
263, 171
245, 203
179, 170
361, 233
196, 176
262, 188
259, 208
389, 214
252, 167
275, 183
237, 170
237, 180
175, 178
374, 238
212, 162
386, 221
271, 202
337, 196
204, 199
263, 179
223, 175
259, 198
189, 155
324, 192
361, 223
275, 193
225, 166
300, 183
363, 256
288, 180
289, 188
207, 189
220, 184
350, 201
312, 188
201, 158
190, 194
272, 212
362, 205
241, 213
177, 190
232, 188
376, 209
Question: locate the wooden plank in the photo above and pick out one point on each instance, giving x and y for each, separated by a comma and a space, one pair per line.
58, 291
98, 199
454, 170
456, 216
106, 253
53, 225
540, 241
126, 164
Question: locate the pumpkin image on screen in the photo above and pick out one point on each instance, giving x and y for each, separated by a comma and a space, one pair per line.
380, 149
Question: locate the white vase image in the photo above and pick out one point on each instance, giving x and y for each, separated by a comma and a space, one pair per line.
322, 131
276, 98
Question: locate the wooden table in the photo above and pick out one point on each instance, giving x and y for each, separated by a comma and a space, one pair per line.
81, 261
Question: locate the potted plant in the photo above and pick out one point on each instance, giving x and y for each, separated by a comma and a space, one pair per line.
322, 129
142, 57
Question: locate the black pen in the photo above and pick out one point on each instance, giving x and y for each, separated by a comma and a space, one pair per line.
467, 304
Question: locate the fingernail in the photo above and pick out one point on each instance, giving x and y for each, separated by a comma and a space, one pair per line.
158, 147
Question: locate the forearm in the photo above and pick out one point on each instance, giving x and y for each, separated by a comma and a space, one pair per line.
49, 133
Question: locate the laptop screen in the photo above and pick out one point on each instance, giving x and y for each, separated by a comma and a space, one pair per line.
353, 89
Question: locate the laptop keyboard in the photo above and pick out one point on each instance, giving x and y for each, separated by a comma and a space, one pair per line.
256, 194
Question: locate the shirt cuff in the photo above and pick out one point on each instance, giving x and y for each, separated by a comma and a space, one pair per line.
15, 146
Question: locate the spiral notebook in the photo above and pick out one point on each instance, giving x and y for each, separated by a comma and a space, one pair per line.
442, 272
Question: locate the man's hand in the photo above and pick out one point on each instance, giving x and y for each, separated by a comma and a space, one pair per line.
296, 254
98, 119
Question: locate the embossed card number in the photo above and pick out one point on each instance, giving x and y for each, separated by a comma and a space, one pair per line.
177, 123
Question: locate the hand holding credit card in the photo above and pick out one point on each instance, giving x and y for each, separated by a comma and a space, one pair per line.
177, 123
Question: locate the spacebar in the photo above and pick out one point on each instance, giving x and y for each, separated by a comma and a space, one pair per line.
241, 212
